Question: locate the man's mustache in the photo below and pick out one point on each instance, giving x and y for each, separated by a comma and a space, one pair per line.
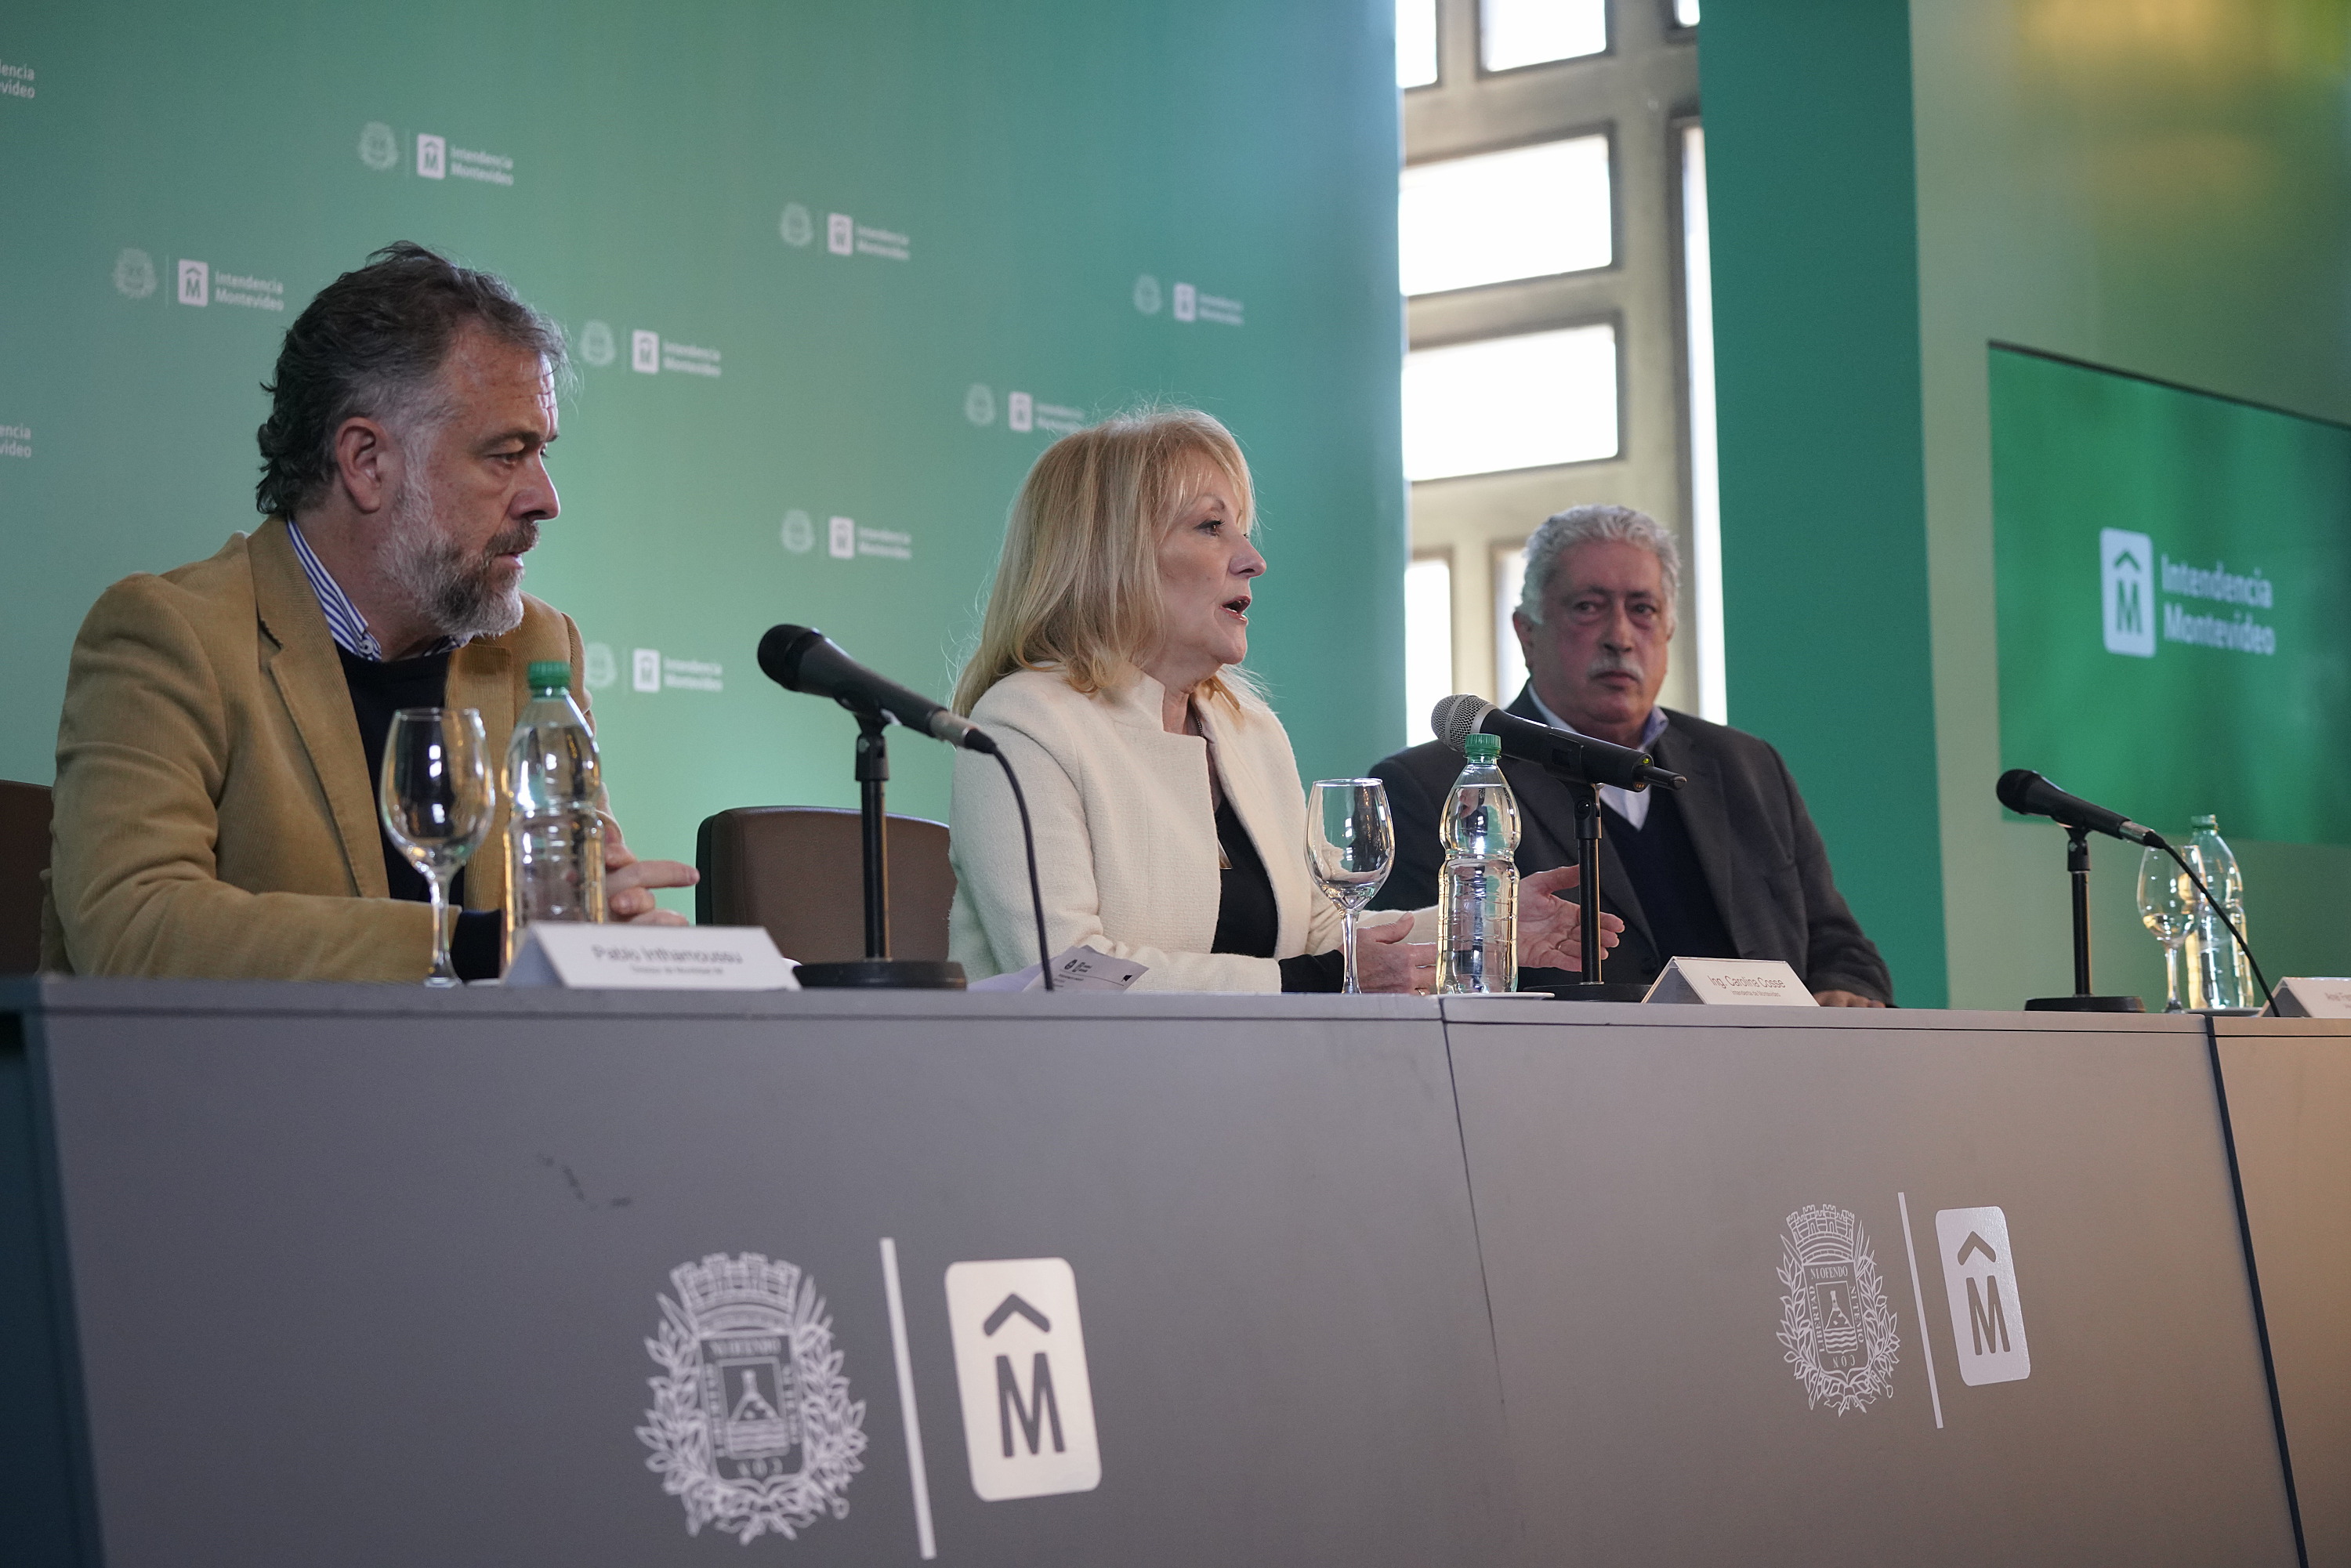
1615, 664
516, 540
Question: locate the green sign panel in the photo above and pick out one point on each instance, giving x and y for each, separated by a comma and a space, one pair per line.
2174, 575
834, 275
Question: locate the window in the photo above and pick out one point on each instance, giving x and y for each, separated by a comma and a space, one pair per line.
1428, 643
1514, 33
1524, 402
1415, 43
1527, 212
1510, 581
1706, 504
1552, 253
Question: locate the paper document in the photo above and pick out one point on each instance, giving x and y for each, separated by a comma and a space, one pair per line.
1079, 969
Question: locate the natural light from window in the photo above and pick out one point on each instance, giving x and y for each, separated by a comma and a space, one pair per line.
1415, 42
1526, 212
1706, 506
1517, 33
1524, 402
1428, 643
1510, 659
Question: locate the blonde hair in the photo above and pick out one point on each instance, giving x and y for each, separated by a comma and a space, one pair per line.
1077, 585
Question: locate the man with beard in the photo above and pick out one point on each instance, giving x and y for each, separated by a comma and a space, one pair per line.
225, 723
1728, 867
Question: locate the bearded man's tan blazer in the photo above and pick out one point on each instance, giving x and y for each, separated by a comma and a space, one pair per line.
214, 816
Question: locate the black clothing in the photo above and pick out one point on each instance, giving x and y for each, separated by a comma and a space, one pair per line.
1663, 867
1248, 920
1760, 861
378, 690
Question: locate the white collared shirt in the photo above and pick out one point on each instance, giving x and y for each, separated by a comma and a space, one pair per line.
1631, 805
344, 623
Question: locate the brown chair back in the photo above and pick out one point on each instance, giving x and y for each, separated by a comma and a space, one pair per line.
798, 871
24, 856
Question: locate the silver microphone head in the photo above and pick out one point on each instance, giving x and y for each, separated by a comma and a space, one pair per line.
1456, 717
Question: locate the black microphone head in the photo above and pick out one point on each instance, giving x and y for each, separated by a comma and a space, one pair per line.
1456, 717
2015, 791
780, 651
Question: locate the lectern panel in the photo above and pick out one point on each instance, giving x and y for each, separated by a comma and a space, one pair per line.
2289, 1082
372, 1277
1958, 1287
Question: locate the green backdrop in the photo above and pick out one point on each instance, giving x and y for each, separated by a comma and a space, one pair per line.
885, 252
2172, 569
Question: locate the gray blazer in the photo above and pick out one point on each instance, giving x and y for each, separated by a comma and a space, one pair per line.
1763, 859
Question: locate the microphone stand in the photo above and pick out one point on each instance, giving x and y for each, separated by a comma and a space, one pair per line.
2077, 867
1591, 987
877, 969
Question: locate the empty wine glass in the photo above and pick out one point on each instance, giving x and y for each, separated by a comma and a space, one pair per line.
1350, 848
2165, 903
436, 803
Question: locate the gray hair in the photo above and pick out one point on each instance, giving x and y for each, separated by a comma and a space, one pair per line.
1563, 531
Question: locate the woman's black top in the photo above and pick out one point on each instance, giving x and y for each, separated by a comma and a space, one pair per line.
1249, 921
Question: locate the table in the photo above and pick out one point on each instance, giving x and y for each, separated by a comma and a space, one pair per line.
373, 1274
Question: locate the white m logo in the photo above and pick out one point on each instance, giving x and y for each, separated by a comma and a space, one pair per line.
2127, 585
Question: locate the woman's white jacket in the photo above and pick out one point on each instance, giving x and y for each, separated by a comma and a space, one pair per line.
1126, 834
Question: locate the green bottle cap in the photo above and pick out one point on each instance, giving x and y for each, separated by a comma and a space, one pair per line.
548, 676
1480, 746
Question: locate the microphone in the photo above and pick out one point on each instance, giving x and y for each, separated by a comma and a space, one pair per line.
803, 659
1571, 757
2028, 794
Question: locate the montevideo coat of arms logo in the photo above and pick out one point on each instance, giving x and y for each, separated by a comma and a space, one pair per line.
1841, 1335
751, 1426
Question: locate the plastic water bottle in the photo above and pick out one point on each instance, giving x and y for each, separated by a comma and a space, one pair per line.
2219, 975
1478, 891
555, 828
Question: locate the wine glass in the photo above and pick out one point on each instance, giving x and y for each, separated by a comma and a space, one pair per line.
1350, 848
436, 803
2167, 904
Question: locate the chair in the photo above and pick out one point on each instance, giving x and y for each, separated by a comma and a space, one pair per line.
798, 871
24, 856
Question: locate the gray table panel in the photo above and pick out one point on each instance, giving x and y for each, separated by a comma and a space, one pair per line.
1631, 1184
364, 1276
2289, 1082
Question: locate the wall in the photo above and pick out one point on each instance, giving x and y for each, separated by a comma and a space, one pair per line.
1032, 192
2159, 190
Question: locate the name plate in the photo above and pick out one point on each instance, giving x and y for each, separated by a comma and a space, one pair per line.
651, 957
1738, 982
2312, 997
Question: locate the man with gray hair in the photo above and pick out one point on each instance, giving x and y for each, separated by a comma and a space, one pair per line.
1730, 867
225, 723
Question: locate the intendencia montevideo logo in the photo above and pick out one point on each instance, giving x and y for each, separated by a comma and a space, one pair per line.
16, 80
2135, 579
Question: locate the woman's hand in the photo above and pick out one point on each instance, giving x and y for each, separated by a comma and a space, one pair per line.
628, 883
1385, 961
1550, 925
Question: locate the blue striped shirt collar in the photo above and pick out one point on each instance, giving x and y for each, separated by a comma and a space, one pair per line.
344, 623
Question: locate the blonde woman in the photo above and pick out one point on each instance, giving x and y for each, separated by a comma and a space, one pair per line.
1170, 823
